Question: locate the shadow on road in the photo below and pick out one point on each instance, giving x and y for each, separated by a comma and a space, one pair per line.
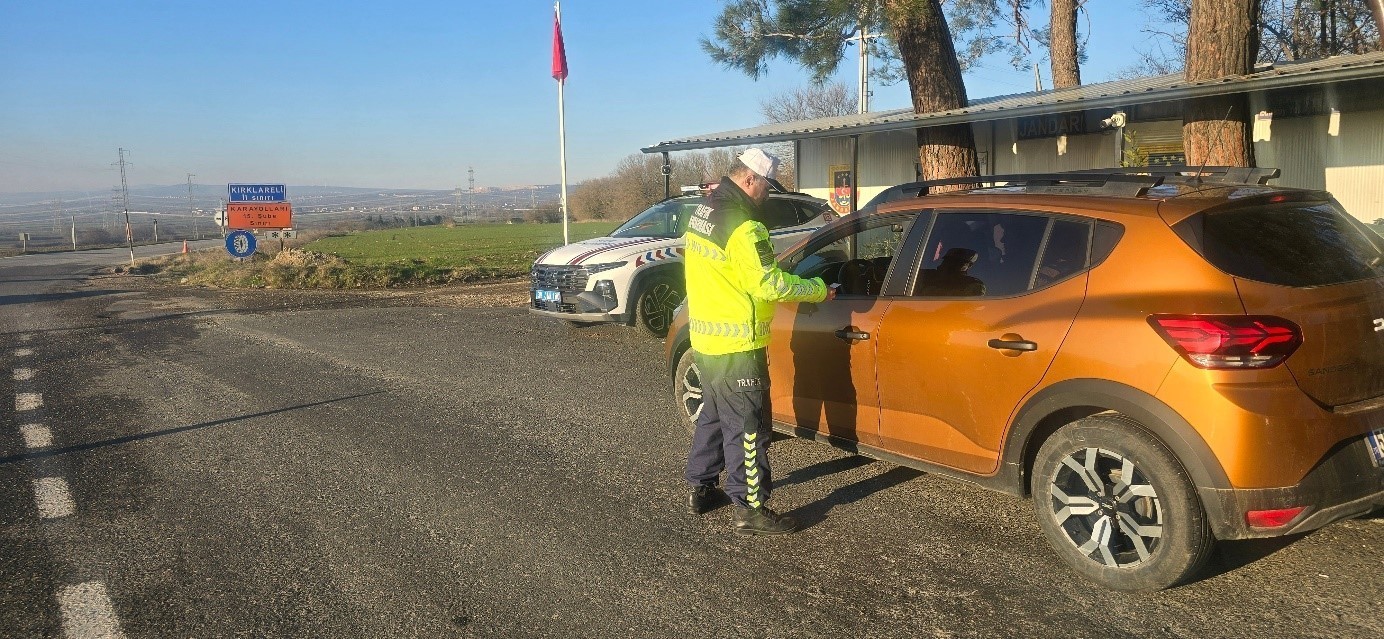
1230, 556
822, 469
234, 310
77, 448
39, 298
815, 512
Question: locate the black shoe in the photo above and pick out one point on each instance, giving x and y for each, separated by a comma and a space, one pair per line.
704, 499
762, 521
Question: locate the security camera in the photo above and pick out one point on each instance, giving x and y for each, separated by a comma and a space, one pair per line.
1116, 120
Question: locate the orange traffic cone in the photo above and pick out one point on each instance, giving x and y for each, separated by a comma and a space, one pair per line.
184, 246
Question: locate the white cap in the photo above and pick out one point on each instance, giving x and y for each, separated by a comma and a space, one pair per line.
763, 164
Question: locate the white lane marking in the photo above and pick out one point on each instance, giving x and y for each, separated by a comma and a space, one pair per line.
23, 374
87, 612
23, 352
53, 499
27, 401
25, 338
36, 435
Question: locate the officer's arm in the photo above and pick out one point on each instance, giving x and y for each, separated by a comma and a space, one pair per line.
753, 258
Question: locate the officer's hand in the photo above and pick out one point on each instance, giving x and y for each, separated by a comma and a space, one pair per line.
831, 293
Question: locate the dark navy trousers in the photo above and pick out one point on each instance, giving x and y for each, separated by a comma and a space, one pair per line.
734, 428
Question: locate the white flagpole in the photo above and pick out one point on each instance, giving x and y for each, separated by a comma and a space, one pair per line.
562, 137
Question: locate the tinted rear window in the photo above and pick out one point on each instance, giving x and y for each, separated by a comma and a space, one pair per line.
1290, 244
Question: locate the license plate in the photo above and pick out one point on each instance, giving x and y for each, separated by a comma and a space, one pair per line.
547, 296
1375, 442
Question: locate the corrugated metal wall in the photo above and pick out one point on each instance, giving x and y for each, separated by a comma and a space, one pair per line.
1045, 155
886, 159
1350, 165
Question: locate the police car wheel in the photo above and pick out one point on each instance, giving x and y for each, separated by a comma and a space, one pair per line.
687, 389
653, 310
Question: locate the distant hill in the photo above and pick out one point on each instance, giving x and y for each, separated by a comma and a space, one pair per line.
48, 216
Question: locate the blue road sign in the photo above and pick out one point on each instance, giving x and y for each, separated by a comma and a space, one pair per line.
257, 192
240, 243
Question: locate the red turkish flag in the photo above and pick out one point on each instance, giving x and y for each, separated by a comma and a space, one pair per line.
559, 51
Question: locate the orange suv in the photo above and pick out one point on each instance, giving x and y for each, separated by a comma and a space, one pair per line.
1159, 361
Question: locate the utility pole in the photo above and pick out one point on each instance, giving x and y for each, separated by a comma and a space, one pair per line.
125, 204
862, 38
156, 230
471, 191
197, 228
74, 232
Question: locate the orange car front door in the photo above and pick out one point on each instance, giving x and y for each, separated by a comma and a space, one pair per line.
822, 367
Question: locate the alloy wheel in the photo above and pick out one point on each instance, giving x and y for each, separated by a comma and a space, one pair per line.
1107, 507
657, 306
690, 392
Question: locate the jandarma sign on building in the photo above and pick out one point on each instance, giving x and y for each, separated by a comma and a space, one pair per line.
1049, 126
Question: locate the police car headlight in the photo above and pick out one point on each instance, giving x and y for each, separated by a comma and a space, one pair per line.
597, 268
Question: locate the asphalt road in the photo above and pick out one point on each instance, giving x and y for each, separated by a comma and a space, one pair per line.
442, 464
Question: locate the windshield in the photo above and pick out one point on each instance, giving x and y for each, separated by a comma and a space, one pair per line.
665, 219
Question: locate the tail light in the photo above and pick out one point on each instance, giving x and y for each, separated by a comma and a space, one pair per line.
1229, 342
1272, 518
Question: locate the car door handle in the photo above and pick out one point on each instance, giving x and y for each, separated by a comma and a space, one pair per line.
849, 334
1013, 345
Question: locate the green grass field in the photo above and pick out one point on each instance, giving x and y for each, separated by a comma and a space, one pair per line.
416, 256
501, 246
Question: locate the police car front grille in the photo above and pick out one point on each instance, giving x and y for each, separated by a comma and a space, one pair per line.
554, 307
560, 278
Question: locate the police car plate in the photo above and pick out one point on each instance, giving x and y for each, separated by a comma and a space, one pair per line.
1375, 442
547, 296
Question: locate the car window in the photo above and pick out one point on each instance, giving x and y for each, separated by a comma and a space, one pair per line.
979, 253
858, 257
1103, 241
809, 211
1065, 253
665, 219
779, 213
1290, 244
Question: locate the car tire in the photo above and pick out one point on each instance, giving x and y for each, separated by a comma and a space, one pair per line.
1118, 507
687, 389
655, 303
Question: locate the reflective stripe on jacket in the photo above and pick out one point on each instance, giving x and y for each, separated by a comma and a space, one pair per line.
733, 276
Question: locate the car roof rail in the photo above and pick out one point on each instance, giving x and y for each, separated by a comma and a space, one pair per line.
1114, 182
1108, 184
1206, 174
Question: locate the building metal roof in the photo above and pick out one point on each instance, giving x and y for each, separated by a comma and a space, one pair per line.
1119, 93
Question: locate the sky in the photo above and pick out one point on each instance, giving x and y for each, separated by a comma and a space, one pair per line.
405, 94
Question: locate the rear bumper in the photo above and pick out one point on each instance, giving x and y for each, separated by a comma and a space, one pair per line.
1343, 484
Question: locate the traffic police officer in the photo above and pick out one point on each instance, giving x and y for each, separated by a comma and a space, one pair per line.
733, 281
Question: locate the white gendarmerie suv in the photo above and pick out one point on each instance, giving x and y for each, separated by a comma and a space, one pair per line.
634, 275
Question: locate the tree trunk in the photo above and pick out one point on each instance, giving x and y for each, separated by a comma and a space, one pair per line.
1066, 71
934, 80
1377, 10
1222, 40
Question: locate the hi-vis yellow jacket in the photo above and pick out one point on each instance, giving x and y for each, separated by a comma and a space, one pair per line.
733, 277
